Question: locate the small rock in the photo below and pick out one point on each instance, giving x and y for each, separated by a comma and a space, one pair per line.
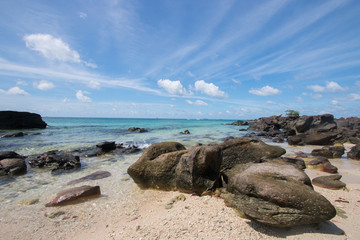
330, 182
56, 214
30, 202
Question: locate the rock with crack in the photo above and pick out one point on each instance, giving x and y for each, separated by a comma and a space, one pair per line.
276, 194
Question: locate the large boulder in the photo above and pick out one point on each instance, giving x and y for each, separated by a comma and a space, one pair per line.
20, 120
354, 152
74, 195
55, 160
244, 150
12, 166
168, 166
276, 194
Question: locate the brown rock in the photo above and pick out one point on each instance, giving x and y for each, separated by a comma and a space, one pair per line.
73, 195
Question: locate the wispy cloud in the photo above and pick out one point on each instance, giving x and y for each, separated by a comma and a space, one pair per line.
80, 95
197, 103
15, 91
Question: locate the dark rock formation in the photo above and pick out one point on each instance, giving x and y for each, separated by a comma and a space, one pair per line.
323, 164
168, 166
106, 146
73, 195
9, 154
20, 120
94, 176
185, 132
12, 166
136, 129
11, 135
354, 152
329, 152
240, 123
244, 150
330, 182
55, 160
311, 130
276, 194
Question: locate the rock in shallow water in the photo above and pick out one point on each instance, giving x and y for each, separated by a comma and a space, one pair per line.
276, 194
73, 195
12, 166
94, 176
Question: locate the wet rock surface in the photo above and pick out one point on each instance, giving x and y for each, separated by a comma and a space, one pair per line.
94, 176
323, 164
12, 166
55, 160
329, 152
72, 195
136, 129
354, 152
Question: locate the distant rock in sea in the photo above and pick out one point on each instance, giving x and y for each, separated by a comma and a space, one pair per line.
20, 120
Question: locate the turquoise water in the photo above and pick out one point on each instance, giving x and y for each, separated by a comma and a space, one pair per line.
75, 133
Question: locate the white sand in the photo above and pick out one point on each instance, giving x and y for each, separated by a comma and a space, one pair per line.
125, 212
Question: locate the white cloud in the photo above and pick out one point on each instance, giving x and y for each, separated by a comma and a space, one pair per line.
197, 103
82, 15
265, 91
209, 89
51, 47
334, 102
353, 96
334, 87
81, 97
330, 87
15, 91
43, 85
172, 87
316, 88
271, 102
299, 99
94, 84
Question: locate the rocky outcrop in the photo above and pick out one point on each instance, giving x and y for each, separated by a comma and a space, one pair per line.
94, 176
240, 123
276, 194
169, 166
55, 160
74, 195
354, 152
310, 130
329, 152
323, 164
331, 182
12, 166
244, 150
136, 129
20, 120
186, 132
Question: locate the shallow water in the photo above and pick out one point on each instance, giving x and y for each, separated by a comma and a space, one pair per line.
77, 133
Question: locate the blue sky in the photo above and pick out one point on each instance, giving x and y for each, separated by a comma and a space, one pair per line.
180, 59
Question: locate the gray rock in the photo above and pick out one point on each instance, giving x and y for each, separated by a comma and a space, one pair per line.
330, 182
12, 166
329, 152
244, 150
276, 194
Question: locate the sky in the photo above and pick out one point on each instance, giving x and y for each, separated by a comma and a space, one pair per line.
216, 59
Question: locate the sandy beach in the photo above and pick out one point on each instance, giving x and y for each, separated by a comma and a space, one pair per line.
126, 212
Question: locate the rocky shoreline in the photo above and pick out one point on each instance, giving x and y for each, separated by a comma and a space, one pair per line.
255, 178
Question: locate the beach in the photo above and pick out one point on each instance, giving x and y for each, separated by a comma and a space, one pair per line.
124, 211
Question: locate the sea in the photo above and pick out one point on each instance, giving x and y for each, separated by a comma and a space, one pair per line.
70, 134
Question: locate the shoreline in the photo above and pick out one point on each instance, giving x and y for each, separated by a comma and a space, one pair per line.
126, 212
